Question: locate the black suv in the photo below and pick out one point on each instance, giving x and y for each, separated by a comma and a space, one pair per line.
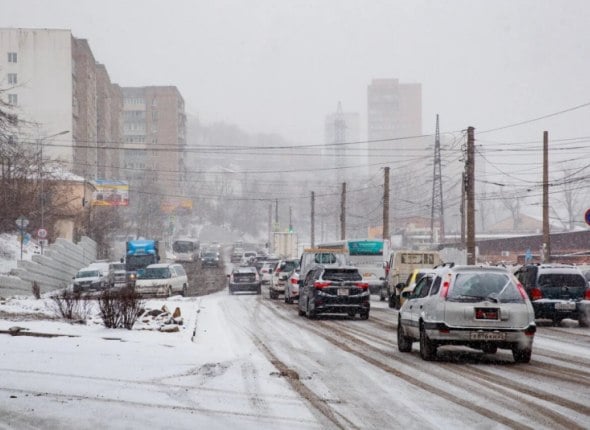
334, 290
557, 291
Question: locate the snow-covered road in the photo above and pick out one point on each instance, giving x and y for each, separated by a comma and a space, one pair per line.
244, 361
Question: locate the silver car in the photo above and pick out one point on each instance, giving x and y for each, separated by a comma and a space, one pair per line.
480, 307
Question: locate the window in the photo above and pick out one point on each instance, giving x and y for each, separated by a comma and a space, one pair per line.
12, 57
436, 286
12, 99
12, 78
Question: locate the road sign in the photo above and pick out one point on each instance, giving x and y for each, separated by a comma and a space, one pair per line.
41, 233
22, 222
587, 217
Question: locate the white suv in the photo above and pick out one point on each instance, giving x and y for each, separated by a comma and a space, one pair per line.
162, 280
480, 307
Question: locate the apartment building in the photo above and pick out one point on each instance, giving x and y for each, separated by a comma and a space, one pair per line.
62, 97
154, 127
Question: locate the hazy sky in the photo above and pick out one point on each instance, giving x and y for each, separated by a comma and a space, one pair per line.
282, 65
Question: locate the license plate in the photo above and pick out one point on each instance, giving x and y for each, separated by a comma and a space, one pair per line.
565, 306
487, 313
343, 291
486, 335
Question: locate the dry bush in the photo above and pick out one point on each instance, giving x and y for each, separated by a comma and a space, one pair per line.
36, 290
71, 306
120, 308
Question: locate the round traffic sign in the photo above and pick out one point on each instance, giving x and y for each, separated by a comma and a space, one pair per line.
42, 233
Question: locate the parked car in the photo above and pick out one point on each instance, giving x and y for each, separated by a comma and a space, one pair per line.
480, 307
117, 275
210, 259
278, 278
334, 290
557, 291
292, 287
244, 278
162, 279
236, 255
89, 279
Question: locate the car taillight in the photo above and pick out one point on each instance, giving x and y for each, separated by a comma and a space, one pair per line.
322, 284
294, 281
362, 285
536, 294
521, 290
587, 294
445, 289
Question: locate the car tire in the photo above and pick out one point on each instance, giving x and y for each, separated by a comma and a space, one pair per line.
351, 314
583, 320
427, 347
364, 315
272, 294
521, 355
230, 290
392, 302
169, 292
556, 322
259, 290
184, 290
404, 343
489, 348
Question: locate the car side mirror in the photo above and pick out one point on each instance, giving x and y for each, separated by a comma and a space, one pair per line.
300, 282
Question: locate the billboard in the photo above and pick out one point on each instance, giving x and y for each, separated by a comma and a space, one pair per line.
177, 205
110, 193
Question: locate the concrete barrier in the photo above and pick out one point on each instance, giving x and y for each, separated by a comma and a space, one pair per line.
53, 270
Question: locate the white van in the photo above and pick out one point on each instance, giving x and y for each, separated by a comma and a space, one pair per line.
162, 279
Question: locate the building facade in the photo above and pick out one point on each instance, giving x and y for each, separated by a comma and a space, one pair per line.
57, 88
154, 127
341, 129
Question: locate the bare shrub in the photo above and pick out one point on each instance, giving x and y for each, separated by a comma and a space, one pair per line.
36, 290
71, 306
120, 308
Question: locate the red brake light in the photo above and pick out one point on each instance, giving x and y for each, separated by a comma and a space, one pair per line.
536, 294
294, 280
322, 284
587, 294
445, 289
362, 285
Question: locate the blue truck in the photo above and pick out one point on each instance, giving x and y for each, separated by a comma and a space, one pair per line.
140, 254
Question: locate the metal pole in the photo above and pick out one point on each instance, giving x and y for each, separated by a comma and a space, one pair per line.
470, 196
546, 236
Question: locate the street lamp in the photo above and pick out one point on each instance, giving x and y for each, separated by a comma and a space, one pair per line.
40, 141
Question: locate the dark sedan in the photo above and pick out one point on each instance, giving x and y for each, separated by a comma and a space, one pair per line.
244, 279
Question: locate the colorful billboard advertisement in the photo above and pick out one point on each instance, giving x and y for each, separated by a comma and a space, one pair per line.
110, 193
178, 205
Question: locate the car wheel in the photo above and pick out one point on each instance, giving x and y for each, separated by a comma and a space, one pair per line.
169, 291
272, 294
393, 302
427, 347
556, 322
230, 290
364, 315
351, 314
311, 314
300, 311
404, 343
382, 295
259, 291
184, 290
584, 320
488, 348
521, 355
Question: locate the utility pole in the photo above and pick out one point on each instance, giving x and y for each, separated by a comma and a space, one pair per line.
437, 210
312, 235
343, 212
386, 203
470, 186
276, 226
290, 219
546, 237
462, 208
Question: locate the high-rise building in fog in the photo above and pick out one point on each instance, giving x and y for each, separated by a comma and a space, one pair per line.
155, 136
394, 111
341, 128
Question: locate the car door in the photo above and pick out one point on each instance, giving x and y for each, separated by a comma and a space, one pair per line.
418, 298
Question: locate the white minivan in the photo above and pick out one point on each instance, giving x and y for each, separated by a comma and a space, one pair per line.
162, 279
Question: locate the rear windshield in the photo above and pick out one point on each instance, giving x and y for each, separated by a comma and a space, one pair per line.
342, 275
288, 266
496, 287
88, 274
559, 280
